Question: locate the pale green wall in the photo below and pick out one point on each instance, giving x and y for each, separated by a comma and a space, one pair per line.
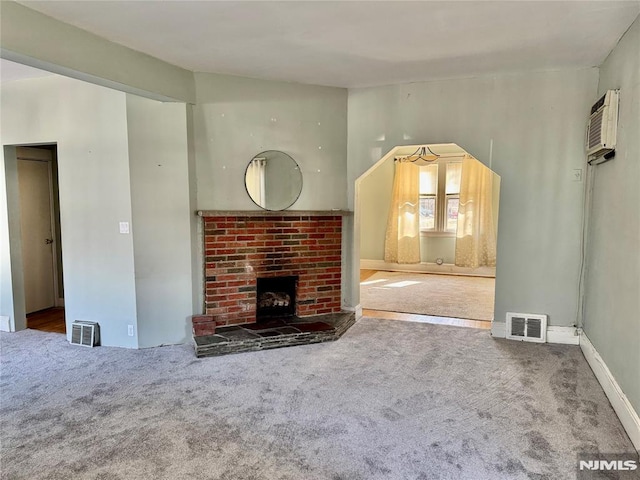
35, 39
89, 125
375, 200
612, 283
162, 215
536, 122
432, 248
235, 118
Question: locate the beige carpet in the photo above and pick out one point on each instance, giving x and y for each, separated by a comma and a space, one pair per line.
437, 295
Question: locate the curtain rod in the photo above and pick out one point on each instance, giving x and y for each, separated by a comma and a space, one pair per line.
458, 155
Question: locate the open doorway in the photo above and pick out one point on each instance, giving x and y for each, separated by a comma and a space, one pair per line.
435, 258
39, 206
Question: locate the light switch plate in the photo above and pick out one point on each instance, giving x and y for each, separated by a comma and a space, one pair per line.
577, 174
124, 227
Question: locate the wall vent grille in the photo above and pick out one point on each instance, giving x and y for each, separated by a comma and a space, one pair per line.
86, 334
527, 327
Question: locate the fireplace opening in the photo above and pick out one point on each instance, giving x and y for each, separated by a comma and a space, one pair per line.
276, 297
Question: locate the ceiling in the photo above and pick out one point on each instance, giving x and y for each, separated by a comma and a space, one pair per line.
15, 71
356, 44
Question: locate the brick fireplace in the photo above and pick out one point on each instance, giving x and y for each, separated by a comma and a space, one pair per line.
242, 247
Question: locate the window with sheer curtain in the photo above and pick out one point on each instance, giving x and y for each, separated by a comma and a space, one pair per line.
440, 196
476, 234
402, 241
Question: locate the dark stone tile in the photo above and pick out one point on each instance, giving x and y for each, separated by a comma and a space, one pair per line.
238, 335
269, 333
288, 330
266, 324
209, 340
314, 327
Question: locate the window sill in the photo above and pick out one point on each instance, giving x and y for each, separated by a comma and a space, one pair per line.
429, 233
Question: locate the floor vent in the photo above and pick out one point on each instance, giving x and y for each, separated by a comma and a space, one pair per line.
527, 327
84, 333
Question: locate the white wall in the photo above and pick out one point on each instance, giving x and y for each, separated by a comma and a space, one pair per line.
529, 129
89, 125
159, 170
235, 118
612, 283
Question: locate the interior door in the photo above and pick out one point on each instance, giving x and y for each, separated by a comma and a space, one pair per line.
34, 181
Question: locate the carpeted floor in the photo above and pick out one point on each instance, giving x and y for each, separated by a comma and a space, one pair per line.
426, 294
389, 400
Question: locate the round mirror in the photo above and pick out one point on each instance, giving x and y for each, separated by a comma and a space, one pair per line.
273, 180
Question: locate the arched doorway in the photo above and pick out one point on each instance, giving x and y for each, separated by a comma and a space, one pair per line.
443, 269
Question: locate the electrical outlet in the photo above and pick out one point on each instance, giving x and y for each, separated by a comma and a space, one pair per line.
124, 227
130, 330
577, 175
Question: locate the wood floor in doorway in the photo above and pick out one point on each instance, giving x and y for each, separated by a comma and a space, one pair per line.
49, 320
413, 317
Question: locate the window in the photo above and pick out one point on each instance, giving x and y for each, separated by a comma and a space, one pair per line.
440, 196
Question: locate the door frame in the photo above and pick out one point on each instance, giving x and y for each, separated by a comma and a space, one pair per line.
57, 299
13, 316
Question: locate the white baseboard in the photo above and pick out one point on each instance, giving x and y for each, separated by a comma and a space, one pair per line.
446, 268
498, 329
5, 324
619, 401
564, 335
357, 309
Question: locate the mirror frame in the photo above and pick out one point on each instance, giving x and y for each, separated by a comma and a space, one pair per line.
294, 162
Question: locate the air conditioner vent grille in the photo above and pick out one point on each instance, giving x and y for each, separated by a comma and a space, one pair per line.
86, 334
518, 326
527, 327
602, 128
595, 130
534, 328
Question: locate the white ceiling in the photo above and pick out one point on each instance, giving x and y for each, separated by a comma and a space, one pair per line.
355, 44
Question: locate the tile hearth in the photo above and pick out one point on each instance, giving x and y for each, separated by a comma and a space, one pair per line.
274, 333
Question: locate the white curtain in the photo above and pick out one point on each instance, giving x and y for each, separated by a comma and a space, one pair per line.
402, 242
476, 234
255, 180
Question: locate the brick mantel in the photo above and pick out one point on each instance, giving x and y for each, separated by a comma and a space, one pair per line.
241, 246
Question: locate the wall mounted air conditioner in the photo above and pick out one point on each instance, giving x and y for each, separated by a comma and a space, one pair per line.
527, 327
85, 333
603, 125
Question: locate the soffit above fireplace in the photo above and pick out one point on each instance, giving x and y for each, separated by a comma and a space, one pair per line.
268, 213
